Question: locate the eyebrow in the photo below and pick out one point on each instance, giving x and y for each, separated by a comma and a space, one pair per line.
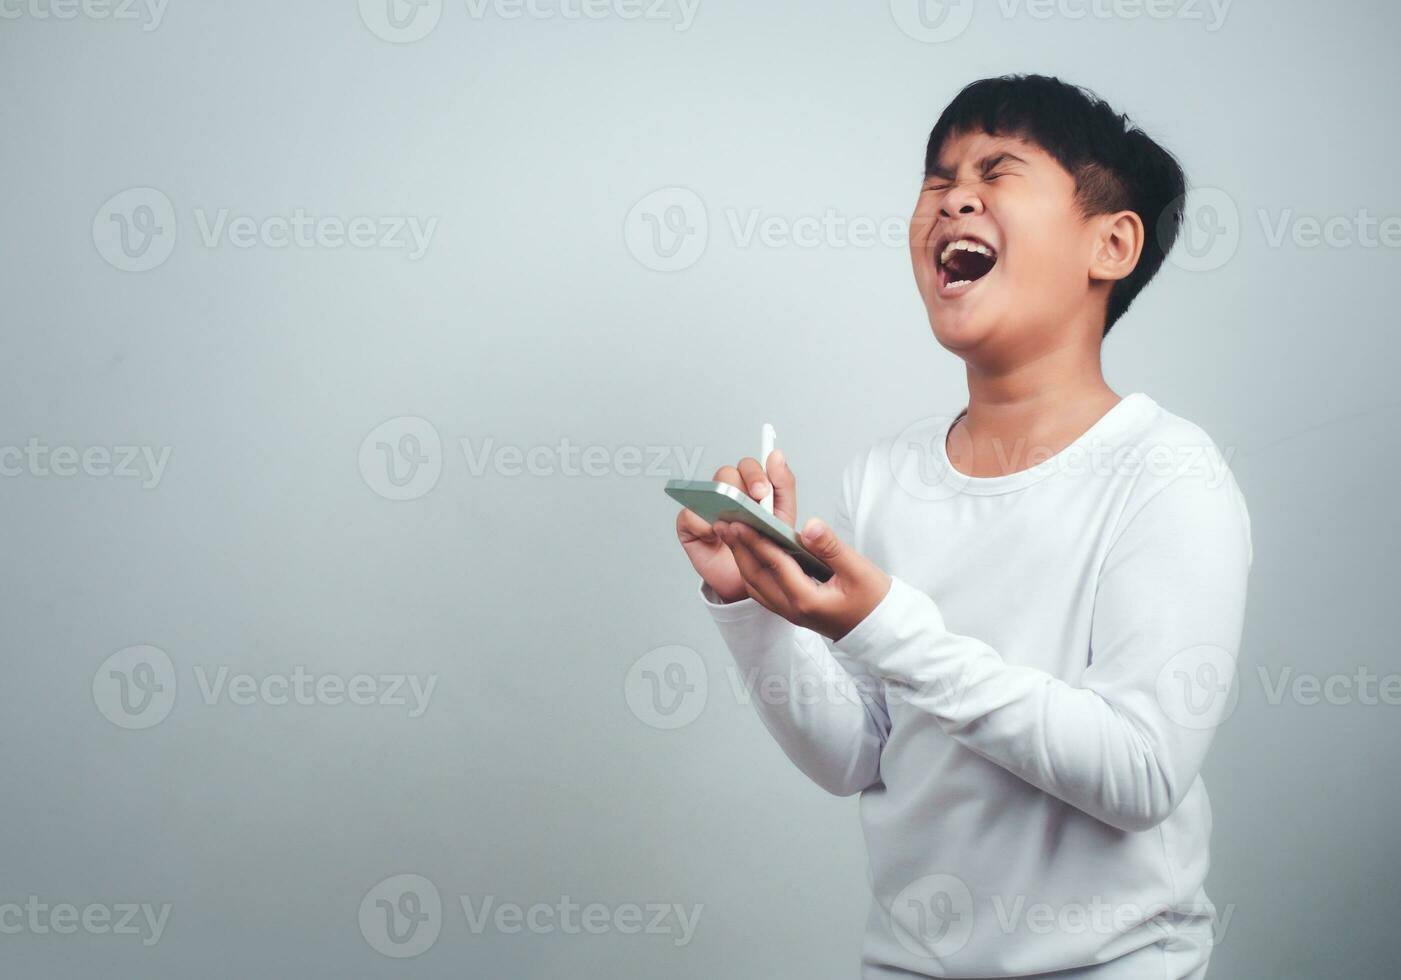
985, 165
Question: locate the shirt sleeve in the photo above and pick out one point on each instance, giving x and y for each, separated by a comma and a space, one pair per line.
826, 711
1126, 742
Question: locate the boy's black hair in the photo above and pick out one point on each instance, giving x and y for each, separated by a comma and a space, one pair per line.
1115, 165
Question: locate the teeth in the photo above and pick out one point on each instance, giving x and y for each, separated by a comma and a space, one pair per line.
963, 245
961, 282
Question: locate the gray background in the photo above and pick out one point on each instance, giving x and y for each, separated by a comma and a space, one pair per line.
536, 314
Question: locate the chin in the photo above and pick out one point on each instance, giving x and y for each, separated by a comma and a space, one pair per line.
959, 339
960, 330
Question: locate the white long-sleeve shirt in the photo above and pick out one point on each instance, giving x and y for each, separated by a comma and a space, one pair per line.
1026, 712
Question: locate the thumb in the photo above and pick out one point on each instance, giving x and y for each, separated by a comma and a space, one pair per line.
785, 488
823, 542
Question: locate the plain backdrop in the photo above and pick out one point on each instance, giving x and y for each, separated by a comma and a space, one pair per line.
649, 234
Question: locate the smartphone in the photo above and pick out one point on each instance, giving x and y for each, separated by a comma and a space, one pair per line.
714, 501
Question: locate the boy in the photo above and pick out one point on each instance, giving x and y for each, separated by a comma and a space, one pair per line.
1031, 633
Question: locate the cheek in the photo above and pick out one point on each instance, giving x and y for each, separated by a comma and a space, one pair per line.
1043, 257
922, 222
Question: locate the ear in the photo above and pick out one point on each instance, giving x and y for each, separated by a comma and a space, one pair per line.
1117, 246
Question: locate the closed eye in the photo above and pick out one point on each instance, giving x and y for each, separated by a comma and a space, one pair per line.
943, 187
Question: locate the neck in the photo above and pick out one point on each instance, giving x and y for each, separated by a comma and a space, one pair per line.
1019, 415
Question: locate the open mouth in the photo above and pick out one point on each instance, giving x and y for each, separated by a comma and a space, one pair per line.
962, 262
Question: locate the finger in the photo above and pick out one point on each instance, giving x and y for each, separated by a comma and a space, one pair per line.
724, 533
784, 571
757, 576
755, 482
730, 475
689, 523
784, 585
787, 574
785, 488
823, 542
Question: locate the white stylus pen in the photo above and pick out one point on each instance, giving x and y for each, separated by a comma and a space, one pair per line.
766, 441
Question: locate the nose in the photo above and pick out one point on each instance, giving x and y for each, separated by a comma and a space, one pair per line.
961, 199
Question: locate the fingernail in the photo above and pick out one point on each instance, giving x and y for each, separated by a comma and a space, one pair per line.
812, 530
777, 457
760, 488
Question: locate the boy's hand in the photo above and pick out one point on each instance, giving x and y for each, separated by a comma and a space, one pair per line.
832, 608
710, 556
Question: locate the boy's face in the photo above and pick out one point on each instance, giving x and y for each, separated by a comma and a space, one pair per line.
999, 245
